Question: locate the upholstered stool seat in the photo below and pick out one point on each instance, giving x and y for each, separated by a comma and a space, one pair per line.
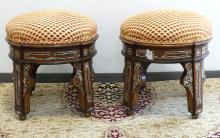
51, 37
166, 27
165, 36
51, 27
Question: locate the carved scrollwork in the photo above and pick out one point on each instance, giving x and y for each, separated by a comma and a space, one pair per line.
77, 76
147, 86
187, 80
192, 80
141, 52
126, 76
139, 80
134, 76
88, 83
82, 81
27, 79
139, 77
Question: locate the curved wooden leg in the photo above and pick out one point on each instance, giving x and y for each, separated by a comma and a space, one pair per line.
134, 76
82, 81
193, 79
22, 83
33, 70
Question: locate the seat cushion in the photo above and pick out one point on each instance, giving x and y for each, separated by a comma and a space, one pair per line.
166, 28
51, 27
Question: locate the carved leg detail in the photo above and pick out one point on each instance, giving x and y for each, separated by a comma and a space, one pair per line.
23, 85
82, 81
92, 80
192, 79
134, 76
33, 70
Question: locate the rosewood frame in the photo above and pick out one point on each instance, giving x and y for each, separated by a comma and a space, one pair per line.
138, 57
27, 58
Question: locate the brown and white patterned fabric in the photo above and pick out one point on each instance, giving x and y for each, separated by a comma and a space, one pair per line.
51, 27
166, 27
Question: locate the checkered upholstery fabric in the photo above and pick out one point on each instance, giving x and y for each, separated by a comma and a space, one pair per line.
51, 27
166, 27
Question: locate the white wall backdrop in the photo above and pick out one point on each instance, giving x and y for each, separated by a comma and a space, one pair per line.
109, 14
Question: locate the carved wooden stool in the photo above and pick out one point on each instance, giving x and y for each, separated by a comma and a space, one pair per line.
165, 36
51, 37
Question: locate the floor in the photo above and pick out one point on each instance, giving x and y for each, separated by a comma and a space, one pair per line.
163, 113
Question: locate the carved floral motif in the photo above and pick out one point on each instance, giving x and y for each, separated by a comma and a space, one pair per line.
188, 78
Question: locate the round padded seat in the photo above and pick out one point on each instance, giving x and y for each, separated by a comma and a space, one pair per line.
166, 28
51, 27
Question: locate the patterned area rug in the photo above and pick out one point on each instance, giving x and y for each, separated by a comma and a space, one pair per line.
108, 104
114, 132
214, 133
167, 117
108, 101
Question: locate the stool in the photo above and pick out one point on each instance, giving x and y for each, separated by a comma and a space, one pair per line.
165, 36
51, 37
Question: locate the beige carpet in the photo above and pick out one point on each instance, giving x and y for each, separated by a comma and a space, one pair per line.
168, 116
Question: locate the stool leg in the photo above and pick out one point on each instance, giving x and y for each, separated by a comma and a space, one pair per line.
82, 81
22, 83
33, 70
193, 79
134, 76
92, 80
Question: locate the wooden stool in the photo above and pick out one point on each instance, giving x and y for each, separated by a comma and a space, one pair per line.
51, 37
165, 36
